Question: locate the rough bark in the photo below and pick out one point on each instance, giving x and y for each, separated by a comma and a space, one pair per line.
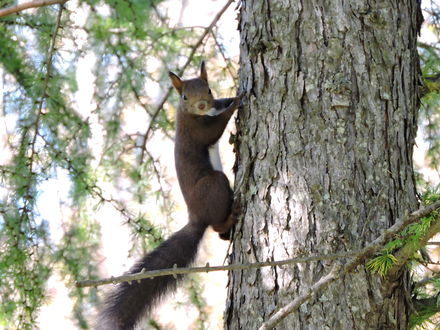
324, 155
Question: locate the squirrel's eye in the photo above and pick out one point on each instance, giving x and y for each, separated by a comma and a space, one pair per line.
184, 97
209, 91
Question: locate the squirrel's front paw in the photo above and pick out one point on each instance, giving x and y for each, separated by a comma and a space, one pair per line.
227, 235
237, 100
240, 96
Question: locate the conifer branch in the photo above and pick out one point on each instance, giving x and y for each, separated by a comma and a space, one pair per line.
367, 252
27, 5
408, 250
36, 124
432, 82
358, 257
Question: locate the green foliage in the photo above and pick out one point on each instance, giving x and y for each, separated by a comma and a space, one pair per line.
410, 236
83, 143
77, 247
144, 231
427, 304
23, 275
425, 295
430, 104
426, 292
53, 132
382, 264
420, 320
195, 291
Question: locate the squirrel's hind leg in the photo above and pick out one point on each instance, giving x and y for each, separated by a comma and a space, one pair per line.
227, 230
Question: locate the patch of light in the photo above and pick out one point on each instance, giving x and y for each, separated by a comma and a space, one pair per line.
53, 193
55, 313
86, 84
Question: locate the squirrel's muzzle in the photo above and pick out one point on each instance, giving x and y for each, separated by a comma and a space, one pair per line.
202, 105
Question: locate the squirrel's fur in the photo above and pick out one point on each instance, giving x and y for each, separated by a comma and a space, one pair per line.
200, 122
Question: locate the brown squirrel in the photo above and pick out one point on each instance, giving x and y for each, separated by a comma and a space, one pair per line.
200, 122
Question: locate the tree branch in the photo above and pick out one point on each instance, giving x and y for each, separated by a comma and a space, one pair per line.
407, 251
30, 4
364, 254
423, 309
177, 271
432, 82
303, 297
427, 303
337, 270
358, 258
427, 280
377, 244
36, 124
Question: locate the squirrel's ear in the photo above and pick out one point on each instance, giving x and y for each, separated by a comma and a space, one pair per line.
176, 81
203, 73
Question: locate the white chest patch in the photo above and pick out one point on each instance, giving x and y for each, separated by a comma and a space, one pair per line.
214, 153
214, 157
215, 112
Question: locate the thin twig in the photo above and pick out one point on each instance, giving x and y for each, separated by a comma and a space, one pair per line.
358, 257
36, 124
207, 268
93, 189
30, 4
46, 82
227, 61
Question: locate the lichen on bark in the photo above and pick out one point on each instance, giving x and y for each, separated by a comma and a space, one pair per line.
324, 151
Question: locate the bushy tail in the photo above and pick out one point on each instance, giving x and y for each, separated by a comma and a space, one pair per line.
128, 302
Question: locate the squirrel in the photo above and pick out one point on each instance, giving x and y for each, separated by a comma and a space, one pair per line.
200, 122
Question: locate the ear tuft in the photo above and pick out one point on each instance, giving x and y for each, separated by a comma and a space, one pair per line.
176, 81
203, 74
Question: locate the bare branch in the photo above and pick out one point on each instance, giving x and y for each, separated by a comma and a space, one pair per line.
358, 257
30, 4
207, 268
303, 297
364, 254
377, 244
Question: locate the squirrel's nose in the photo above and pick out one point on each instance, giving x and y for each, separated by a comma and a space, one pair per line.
201, 105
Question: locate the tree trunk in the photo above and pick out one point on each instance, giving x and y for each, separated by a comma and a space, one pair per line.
324, 155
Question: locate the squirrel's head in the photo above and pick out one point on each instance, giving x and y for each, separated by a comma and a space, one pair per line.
195, 94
